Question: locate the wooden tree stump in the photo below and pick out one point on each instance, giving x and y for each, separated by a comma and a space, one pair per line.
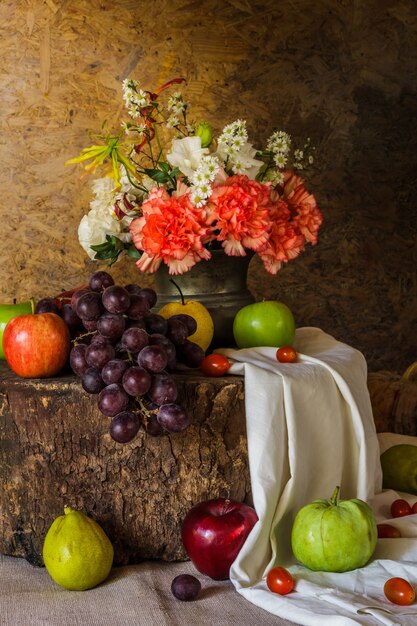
55, 450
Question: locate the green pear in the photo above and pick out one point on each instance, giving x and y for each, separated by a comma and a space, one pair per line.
399, 468
77, 553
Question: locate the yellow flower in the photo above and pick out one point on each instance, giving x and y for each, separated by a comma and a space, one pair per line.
97, 155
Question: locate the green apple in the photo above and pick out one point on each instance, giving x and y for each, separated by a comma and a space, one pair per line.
8, 311
399, 468
267, 323
334, 536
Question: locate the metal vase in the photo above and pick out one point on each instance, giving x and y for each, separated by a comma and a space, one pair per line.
219, 284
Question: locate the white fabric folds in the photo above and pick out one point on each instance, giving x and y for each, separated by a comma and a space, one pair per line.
309, 428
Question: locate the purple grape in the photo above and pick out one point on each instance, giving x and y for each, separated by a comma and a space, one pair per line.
185, 587
89, 306
136, 381
163, 389
138, 308
153, 427
190, 354
97, 338
140, 323
99, 353
90, 325
177, 331
188, 320
153, 358
112, 399
111, 325
100, 280
172, 364
116, 299
173, 418
124, 426
71, 319
150, 295
134, 339
133, 288
47, 305
160, 340
77, 359
91, 380
156, 324
77, 295
113, 371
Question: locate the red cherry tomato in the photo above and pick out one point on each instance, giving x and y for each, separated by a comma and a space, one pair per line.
279, 580
414, 508
386, 531
400, 507
286, 354
399, 591
215, 365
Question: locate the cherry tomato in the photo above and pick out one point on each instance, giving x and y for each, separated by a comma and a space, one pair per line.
215, 365
286, 354
400, 507
386, 531
279, 580
399, 591
414, 508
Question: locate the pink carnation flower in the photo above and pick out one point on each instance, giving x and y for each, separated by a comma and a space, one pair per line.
172, 230
309, 217
295, 220
239, 213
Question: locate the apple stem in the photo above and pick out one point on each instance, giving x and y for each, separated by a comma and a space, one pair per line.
178, 287
335, 495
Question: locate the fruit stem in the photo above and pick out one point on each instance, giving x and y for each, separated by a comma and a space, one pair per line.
335, 495
179, 289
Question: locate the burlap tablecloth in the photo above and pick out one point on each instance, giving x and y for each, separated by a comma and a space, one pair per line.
137, 595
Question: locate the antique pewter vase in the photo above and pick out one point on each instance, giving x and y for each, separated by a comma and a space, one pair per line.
219, 284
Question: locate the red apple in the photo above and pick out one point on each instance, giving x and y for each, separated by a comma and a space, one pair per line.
36, 346
214, 531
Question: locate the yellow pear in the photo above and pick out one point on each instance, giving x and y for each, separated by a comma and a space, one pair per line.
205, 327
77, 553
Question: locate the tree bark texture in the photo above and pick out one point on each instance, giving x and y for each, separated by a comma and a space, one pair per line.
56, 451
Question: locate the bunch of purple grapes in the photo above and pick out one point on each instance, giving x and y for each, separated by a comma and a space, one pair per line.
126, 355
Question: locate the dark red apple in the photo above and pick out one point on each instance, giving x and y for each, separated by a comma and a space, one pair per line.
214, 531
36, 346
65, 296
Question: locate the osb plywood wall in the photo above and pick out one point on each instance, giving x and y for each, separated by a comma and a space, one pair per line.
340, 71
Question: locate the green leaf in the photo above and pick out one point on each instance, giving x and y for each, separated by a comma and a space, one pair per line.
157, 175
107, 254
133, 252
100, 246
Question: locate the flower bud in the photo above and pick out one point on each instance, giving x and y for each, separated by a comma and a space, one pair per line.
205, 132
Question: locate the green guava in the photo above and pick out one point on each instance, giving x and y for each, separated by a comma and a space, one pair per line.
334, 535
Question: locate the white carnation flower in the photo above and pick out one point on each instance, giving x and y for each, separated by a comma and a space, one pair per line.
101, 220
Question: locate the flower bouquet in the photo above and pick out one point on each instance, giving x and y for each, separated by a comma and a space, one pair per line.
174, 192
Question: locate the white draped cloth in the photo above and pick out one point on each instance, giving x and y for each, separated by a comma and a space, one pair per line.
309, 428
